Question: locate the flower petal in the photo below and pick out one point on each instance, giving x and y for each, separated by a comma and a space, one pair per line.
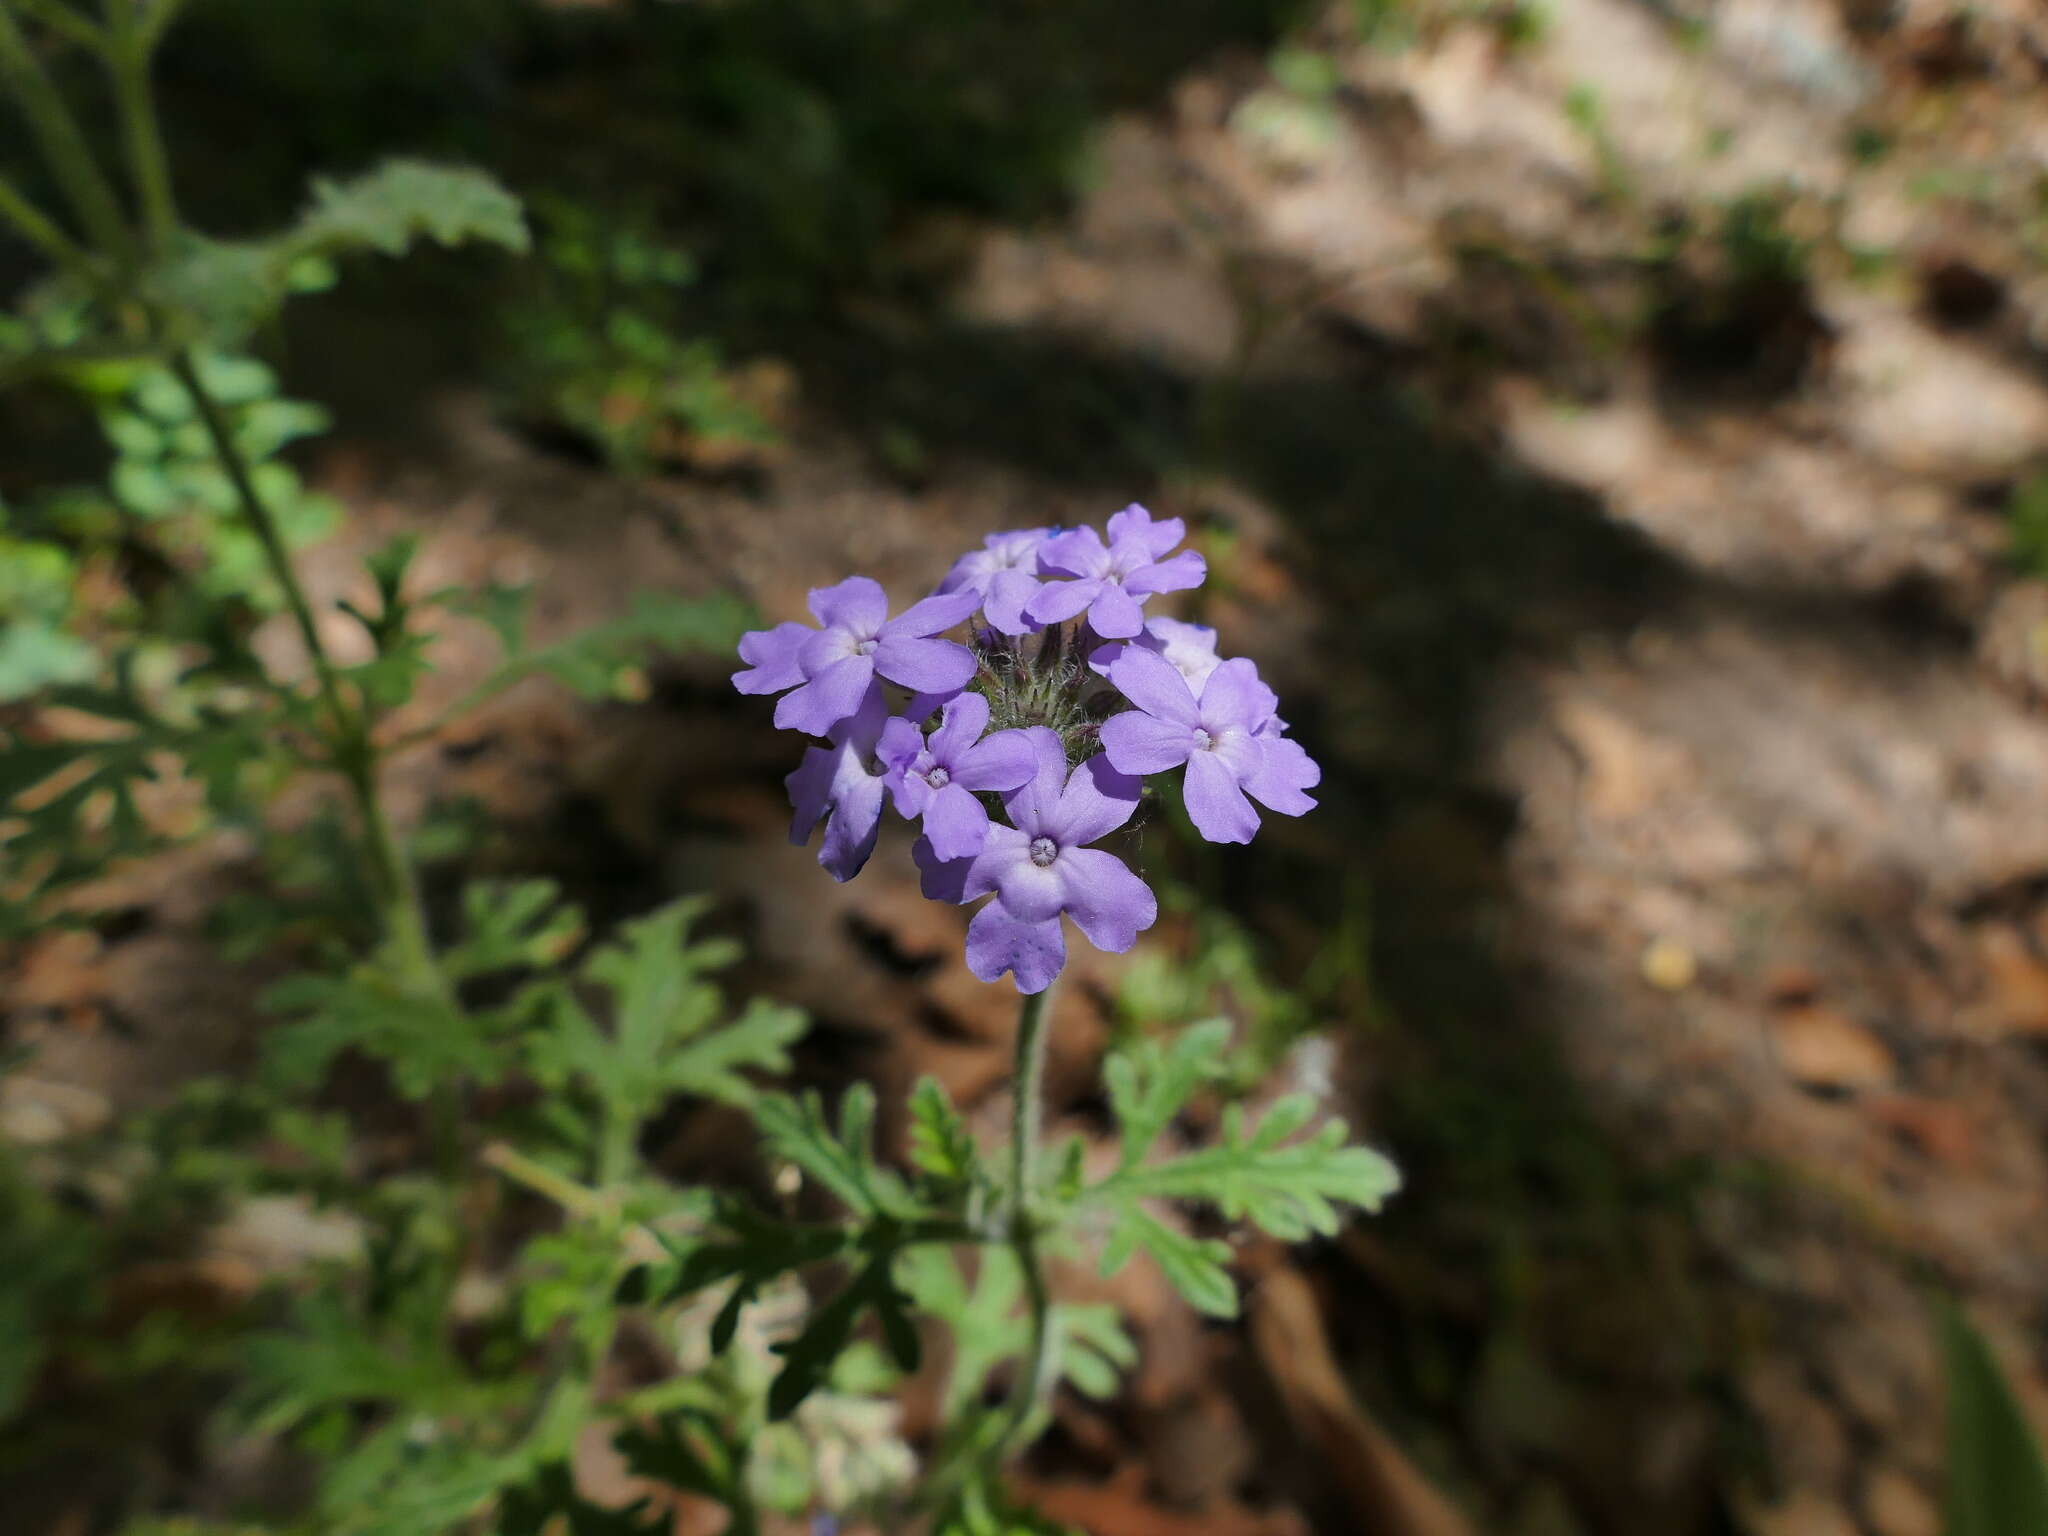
997, 942
939, 612
1027, 889
826, 699
1107, 902
810, 791
999, 762
939, 879
1077, 552
857, 603
954, 823
1005, 848
1184, 570
1234, 696
1058, 601
772, 658
1283, 771
1115, 614
1215, 802
1136, 524
1003, 604
856, 822
1035, 802
1152, 683
960, 727
1096, 801
924, 666
899, 745
1135, 742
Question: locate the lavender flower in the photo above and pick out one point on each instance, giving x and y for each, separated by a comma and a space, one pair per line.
835, 781
1033, 866
1190, 647
1217, 737
1113, 579
1040, 867
831, 668
1001, 574
937, 777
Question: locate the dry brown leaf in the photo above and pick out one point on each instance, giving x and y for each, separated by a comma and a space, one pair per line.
1821, 1047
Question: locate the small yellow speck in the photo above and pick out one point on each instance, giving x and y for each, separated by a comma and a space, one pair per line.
1669, 966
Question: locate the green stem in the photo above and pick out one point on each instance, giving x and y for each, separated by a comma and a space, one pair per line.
264, 526
574, 1198
41, 231
355, 755
1027, 1099
62, 144
1027, 1111
615, 1149
58, 17
128, 61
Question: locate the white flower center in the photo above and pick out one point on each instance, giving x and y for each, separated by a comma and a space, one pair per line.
937, 777
1043, 851
1204, 742
865, 647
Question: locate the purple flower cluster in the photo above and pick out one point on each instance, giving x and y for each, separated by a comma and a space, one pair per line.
1017, 752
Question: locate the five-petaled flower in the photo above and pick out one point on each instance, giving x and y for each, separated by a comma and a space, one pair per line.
1041, 866
937, 777
1002, 573
831, 668
1190, 647
1111, 580
1217, 737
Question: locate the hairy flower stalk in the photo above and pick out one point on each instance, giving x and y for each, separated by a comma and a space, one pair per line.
1017, 752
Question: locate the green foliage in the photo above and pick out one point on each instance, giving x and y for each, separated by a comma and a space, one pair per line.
1288, 1185
1997, 1476
2028, 517
439, 1347
598, 344
221, 290
36, 649
669, 1033
990, 1330
593, 661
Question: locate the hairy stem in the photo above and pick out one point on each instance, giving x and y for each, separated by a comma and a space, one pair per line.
1027, 1114
57, 135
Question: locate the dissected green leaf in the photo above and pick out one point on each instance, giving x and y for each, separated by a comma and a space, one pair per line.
809, 1357
519, 925
404, 201
222, 290
843, 1160
687, 1449
940, 1144
1152, 1082
1290, 1190
1194, 1266
1289, 1185
425, 1039
670, 1032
